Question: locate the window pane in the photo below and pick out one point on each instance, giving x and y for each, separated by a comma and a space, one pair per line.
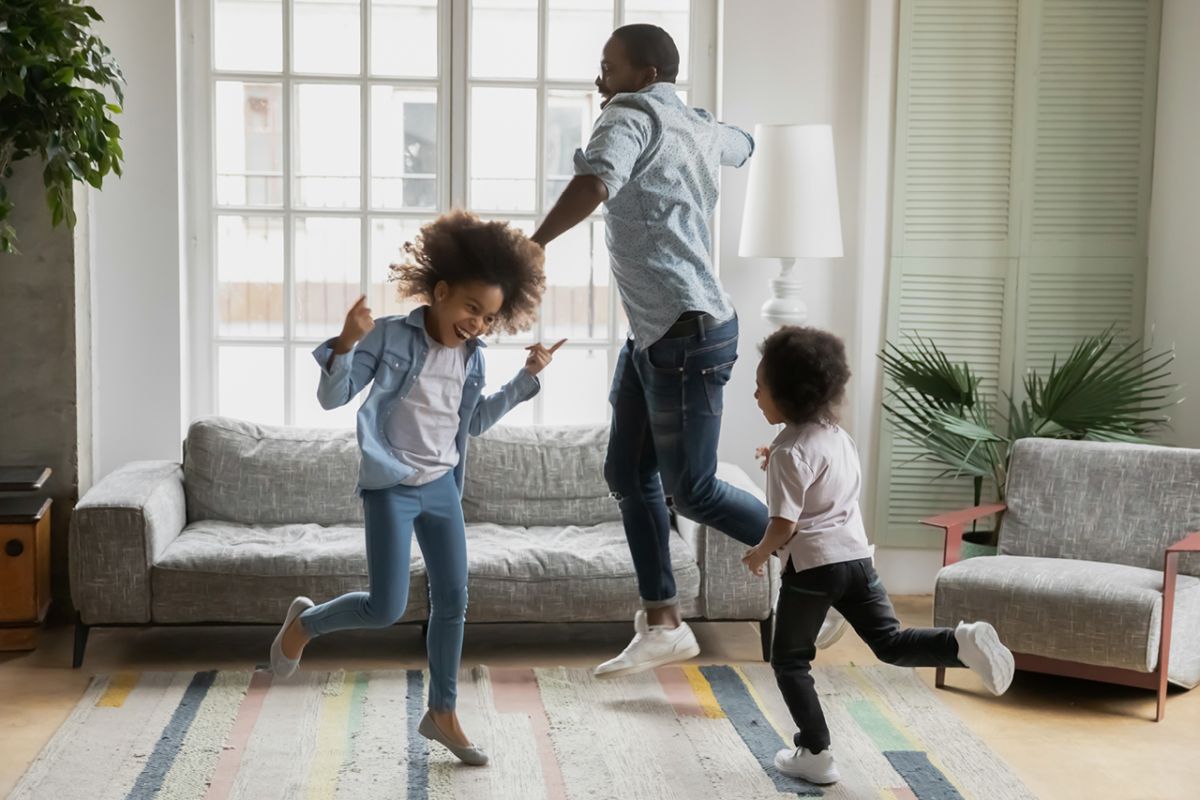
249, 145
308, 412
575, 387
504, 38
404, 147
250, 381
569, 119
503, 149
387, 242
576, 37
328, 266
249, 276
502, 364
248, 35
326, 37
327, 146
670, 15
576, 305
404, 38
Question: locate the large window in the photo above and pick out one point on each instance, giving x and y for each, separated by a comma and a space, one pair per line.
323, 133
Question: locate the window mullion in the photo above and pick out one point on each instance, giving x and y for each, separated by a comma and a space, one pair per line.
289, 220
539, 170
364, 160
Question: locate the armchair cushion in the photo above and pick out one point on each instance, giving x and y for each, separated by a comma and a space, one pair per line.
1084, 611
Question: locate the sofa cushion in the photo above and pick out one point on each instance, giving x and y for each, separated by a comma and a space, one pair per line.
1101, 501
1083, 611
267, 475
562, 574
230, 572
539, 476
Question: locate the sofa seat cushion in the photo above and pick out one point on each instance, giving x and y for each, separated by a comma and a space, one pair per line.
230, 572
562, 573
1083, 611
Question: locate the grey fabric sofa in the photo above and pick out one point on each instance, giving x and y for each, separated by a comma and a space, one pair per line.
1097, 574
256, 515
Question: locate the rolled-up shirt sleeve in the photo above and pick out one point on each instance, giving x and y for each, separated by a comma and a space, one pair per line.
621, 135
736, 145
788, 478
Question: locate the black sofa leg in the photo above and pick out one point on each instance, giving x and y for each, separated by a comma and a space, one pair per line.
81, 637
766, 629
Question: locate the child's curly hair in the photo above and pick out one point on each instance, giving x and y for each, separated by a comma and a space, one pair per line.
458, 247
806, 372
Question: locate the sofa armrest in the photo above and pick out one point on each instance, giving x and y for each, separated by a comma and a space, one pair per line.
118, 530
954, 523
727, 589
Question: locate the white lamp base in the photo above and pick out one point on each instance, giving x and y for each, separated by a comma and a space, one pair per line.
786, 306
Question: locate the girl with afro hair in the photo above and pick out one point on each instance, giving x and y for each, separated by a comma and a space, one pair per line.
426, 373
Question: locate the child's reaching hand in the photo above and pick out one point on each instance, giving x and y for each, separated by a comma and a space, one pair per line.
763, 454
540, 356
755, 559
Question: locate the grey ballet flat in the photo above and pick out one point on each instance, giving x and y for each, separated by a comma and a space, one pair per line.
471, 756
281, 665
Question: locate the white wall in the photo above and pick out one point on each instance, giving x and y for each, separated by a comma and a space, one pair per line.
830, 61
1173, 283
138, 364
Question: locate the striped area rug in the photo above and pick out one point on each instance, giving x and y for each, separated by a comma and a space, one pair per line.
680, 733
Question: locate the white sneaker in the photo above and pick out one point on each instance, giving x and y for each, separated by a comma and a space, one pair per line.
811, 767
831, 629
651, 647
979, 647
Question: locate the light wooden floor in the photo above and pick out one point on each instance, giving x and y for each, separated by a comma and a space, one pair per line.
1065, 738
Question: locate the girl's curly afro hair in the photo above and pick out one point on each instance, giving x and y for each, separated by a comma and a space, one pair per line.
458, 247
806, 372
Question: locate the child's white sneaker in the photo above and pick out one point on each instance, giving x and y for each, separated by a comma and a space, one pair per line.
651, 647
831, 629
813, 767
979, 647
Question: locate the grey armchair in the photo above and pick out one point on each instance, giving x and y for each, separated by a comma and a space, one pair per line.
1098, 570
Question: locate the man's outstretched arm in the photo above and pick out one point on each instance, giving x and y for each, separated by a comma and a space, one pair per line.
577, 202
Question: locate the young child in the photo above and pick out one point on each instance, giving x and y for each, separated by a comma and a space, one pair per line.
816, 528
427, 374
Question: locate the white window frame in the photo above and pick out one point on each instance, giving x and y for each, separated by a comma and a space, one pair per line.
197, 81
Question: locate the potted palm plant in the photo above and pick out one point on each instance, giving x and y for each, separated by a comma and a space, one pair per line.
1101, 391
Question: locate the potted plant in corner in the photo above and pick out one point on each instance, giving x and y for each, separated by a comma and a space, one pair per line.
53, 75
1100, 391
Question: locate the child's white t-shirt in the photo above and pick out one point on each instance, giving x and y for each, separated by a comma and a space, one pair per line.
814, 478
423, 426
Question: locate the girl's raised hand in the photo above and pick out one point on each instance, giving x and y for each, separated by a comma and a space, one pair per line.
540, 356
358, 323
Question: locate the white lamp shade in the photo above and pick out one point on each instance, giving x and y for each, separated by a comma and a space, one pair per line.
791, 206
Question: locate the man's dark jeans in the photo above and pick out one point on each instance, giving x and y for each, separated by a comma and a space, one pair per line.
854, 589
667, 404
